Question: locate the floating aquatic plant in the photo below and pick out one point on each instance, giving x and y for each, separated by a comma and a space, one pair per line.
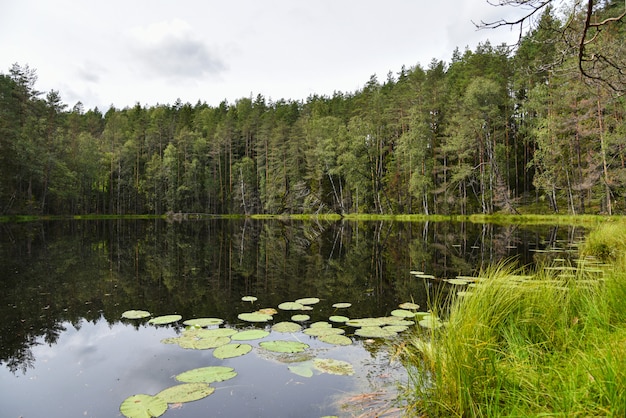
286, 327
281, 346
186, 392
135, 314
342, 305
203, 322
165, 319
231, 350
308, 301
255, 317
332, 366
300, 318
249, 298
290, 306
143, 406
250, 334
207, 375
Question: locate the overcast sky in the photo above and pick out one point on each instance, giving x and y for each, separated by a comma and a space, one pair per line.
120, 52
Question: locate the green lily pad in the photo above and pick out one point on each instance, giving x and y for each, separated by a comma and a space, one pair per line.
320, 331
286, 327
290, 306
431, 322
375, 332
457, 281
165, 319
203, 322
339, 318
249, 298
308, 301
135, 314
335, 339
255, 317
366, 322
207, 374
250, 334
332, 366
143, 406
321, 324
301, 370
170, 340
342, 305
186, 392
396, 328
409, 305
300, 318
231, 350
402, 313
210, 342
215, 332
281, 346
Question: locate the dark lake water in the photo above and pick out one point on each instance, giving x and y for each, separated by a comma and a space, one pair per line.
66, 352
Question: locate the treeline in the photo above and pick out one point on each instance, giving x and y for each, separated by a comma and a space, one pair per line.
489, 131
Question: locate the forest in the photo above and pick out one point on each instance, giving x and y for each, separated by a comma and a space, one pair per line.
495, 130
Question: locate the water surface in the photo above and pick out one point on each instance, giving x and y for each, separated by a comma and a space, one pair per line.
65, 351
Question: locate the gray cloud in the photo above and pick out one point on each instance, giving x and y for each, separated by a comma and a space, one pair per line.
172, 50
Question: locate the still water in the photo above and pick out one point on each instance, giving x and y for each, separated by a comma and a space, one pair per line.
66, 352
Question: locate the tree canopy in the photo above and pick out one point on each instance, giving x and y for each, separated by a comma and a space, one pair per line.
489, 131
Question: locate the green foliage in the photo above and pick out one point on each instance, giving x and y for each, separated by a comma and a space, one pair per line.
484, 133
533, 345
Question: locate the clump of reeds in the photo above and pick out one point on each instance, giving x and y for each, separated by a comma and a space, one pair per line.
549, 342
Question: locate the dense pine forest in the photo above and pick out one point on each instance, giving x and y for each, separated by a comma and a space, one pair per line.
493, 130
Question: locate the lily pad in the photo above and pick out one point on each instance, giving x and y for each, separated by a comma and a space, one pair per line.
339, 318
290, 306
286, 327
409, 305
165, 319
215, 332
281, 346
203, 322
458, 282
335, 339
301, 370
396, 328
300, 318
431, 322
143, 406
135, 314
186, 392
207, 374
250, 334
320, 331
332, 366
342, 305
231, 350
321, 324
402, 313
249, 298
375, 332
308, 301
255, 317
367, 322
210, 342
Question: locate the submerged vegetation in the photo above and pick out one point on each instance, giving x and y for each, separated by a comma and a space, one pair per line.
519, 343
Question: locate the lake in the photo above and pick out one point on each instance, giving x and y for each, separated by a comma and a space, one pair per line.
66, 351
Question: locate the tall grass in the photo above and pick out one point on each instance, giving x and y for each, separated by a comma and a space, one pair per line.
539, 344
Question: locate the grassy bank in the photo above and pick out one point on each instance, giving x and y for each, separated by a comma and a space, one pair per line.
548, 343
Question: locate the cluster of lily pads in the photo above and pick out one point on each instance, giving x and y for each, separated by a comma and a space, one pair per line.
227, 342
